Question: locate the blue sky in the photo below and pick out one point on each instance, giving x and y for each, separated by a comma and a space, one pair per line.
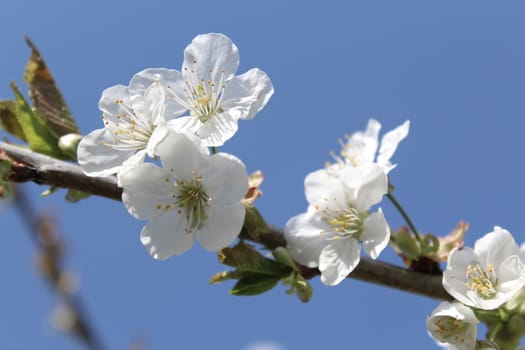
455, 69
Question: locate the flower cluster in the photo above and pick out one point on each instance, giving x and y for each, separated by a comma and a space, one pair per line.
156, 140
174, 116
340, 197
483, 278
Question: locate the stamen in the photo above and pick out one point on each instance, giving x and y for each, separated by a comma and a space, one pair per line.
482, 281
202, 95
194, 202
129, 132
451, 329
344, 223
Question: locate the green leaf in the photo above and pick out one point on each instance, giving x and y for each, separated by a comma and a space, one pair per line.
254, 284
39, 137
298, 286
245, 258
254, 223
5, 186
46, 96
302, 289
8, 119
225, 275
49, 191
429, 244
281, 255
408, 244
74, 196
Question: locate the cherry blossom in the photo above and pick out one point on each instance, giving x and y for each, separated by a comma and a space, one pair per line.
327, 236
193, 196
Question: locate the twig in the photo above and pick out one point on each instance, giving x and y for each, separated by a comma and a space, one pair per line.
45, 170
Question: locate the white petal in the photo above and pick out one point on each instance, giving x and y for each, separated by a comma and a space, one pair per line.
464, 338
455, 310
361, 146
369, 182
376, 234
145, 187
180, 156
133, 160
223, 225
338, 259
114, 102
389, 144
165, 236
169, 80
322, 188
97, 159
224, 178
303, 237
159, 133
511, 276
215, 52
219, 129
253, 89
455, 275
188, 126
496, 246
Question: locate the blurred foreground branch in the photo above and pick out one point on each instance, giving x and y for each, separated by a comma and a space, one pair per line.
31, 166
70, 316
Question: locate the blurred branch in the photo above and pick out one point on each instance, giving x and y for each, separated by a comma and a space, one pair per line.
51, 252
45, 170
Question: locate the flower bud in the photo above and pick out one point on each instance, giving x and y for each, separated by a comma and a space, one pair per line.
68, 144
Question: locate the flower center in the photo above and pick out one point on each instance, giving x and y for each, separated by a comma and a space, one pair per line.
451, 328
482, 281
203, 95
129, 131
194, 202
344, 223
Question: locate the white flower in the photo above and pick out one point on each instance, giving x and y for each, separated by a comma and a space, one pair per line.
361, 147
131, 116
453, 324
328, 234
193, 197
215, 97
488, 275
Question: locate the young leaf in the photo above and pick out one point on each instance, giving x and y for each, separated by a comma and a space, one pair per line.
246, 259
46, 96
254, 223
37, 134
5, 167
225, 275
8, 119
254, 284
74, 196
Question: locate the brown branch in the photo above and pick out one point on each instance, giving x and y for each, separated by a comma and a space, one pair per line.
45, 170
369, 270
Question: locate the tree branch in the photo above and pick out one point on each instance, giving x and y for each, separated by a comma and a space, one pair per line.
31, 166
44, 170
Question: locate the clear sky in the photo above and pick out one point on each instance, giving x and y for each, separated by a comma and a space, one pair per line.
456, 69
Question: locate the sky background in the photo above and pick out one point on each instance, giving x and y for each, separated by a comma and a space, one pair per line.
456, 69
